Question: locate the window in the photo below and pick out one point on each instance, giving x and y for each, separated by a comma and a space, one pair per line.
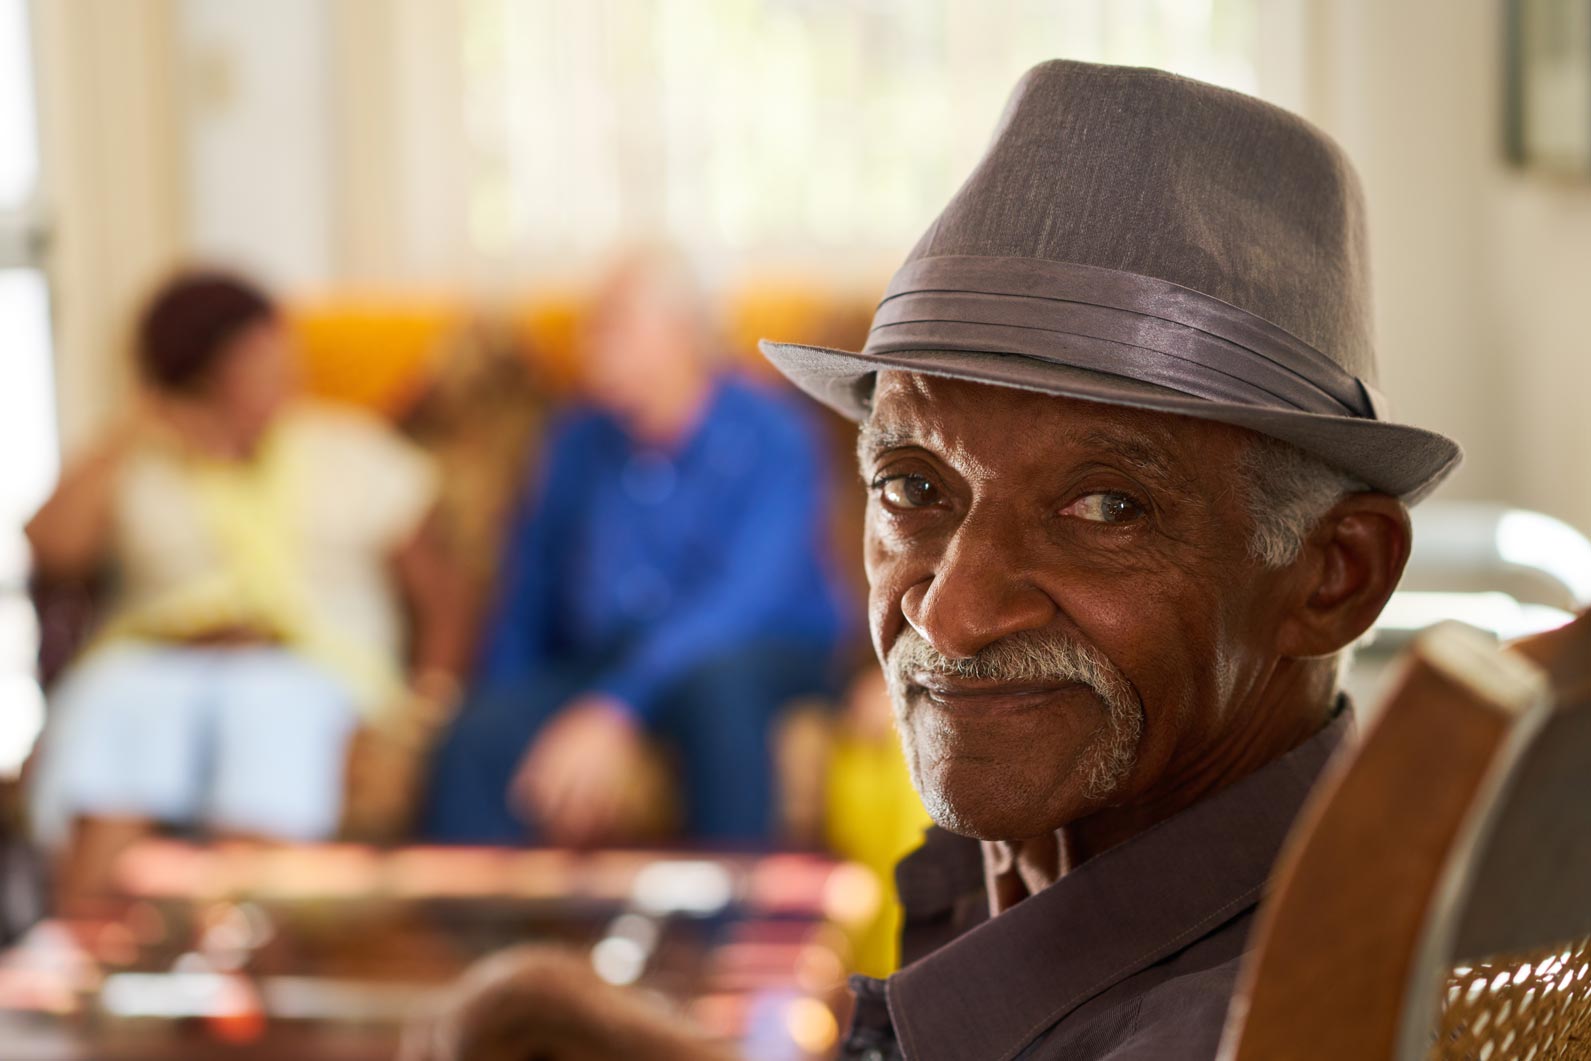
773, 128
27, 396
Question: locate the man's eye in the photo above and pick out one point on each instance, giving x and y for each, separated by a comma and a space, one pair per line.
907, 491
1106, 507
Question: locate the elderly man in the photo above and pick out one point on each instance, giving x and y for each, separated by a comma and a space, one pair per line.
666, 578
1133, 494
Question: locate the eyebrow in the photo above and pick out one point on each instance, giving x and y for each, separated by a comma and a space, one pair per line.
1135, 449
872, 440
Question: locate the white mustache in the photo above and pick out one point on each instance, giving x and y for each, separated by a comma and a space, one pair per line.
1038, 657
1024, 657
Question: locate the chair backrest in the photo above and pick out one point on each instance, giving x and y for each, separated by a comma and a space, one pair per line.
1434, 900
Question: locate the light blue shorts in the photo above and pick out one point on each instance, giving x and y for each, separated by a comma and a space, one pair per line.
246, 740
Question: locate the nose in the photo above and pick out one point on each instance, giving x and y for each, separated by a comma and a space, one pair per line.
979, 592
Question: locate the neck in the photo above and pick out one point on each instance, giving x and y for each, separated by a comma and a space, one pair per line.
1288, 709
669, 423
202, 429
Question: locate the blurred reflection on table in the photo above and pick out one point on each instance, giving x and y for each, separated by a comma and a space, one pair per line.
328, 951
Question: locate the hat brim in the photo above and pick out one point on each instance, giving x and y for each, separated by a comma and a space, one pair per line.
1404, 461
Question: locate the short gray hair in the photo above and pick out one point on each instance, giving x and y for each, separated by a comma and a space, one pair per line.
1288, 491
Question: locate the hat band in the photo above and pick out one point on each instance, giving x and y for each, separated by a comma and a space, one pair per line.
1120, 323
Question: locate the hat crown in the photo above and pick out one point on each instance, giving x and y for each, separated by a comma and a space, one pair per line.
1148, 173
1139, 239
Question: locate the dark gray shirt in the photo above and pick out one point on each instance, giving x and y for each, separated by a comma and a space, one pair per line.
1132, 956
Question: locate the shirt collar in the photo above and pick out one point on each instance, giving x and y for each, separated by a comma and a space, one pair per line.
1010, 978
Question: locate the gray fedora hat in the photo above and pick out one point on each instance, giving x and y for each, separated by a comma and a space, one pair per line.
1138, 238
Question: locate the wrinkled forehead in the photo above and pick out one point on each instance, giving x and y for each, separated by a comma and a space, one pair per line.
991, 425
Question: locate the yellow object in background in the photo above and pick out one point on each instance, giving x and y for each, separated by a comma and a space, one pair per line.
374, 350
377, 349
292, 546
873, 816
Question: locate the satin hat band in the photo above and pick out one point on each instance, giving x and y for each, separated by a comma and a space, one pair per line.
1106, 320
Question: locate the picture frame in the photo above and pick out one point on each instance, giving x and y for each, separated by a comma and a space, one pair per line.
1547, 91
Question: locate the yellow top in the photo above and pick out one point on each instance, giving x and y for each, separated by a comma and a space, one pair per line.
295, 543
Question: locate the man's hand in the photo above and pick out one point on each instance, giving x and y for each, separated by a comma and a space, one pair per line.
574, 779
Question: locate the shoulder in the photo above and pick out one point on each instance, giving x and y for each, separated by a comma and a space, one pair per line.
1182, 1017
359, 469
345, 428
151, 485
575, 436
578, 421
1174, 1009
355, 442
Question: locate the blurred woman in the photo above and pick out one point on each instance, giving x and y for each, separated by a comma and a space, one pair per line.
257, 545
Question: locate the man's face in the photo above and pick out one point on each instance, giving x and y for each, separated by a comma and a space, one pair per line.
641, 348
1062, 595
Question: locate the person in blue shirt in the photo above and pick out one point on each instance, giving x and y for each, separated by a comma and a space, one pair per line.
665, 577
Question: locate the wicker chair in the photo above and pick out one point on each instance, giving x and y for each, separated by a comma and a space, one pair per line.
1434, 900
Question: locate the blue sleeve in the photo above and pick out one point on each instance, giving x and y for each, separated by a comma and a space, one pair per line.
768, 537
517, 636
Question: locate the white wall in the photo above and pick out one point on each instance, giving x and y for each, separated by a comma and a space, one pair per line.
1480, 270
1409, 90
1540, 265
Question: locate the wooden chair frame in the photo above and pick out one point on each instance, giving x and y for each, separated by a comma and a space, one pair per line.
1458, 828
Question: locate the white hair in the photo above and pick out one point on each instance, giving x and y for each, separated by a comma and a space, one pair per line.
1288, 492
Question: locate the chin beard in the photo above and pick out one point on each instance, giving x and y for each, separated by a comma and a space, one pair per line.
997, 804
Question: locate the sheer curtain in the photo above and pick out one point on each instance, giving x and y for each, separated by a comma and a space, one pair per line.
772, 130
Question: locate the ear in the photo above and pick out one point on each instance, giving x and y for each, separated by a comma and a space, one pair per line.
1348, 568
